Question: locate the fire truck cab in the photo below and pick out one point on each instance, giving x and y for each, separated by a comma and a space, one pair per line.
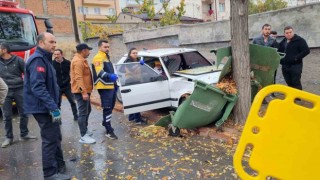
18, 28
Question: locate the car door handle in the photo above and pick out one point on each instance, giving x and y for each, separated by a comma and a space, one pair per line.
125, 90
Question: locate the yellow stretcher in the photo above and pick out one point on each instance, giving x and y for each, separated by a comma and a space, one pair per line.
285, 140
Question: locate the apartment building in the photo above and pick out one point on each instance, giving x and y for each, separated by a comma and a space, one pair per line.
300, 2
58, 11
215, 10
208, 10
96, 10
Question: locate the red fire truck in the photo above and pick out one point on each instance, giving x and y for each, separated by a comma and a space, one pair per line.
19, 29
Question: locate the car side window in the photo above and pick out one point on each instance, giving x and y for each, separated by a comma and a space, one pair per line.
135, 73
194, 60
173, 63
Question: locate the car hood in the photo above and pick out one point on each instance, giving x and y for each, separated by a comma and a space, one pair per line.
208, 74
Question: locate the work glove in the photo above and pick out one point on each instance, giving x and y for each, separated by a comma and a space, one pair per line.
141, 61
56, 116
113, 77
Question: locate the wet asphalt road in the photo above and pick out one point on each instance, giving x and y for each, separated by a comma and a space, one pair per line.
129, 157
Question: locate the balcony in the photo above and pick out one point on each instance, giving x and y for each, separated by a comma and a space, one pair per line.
92, 17
105, 3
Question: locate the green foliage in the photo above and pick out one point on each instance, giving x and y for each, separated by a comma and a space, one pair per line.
89, 30
112, 19
169, 16
259, 6
125, 10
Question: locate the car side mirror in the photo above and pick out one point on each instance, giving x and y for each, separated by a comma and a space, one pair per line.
48, 25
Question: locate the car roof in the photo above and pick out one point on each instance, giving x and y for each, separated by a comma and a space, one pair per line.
163, 51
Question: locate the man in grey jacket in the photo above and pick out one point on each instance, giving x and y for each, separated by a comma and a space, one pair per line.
3, 91
11, 70
265, 39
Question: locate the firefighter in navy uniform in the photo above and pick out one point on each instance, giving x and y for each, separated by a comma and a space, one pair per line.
41, 97
105, 82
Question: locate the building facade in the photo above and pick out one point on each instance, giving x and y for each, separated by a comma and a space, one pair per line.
215, 10
96, 10
208, 10
58, 11
300, 2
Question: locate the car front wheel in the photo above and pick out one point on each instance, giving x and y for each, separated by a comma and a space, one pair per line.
119, 98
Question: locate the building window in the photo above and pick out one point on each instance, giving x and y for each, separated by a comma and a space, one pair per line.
83, 10
112, 11
222, 7
97, 10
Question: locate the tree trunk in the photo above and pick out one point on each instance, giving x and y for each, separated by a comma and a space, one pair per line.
241, 58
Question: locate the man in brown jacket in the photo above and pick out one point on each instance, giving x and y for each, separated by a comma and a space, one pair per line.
81, 87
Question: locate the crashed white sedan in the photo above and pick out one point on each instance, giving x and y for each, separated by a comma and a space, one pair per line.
165, 80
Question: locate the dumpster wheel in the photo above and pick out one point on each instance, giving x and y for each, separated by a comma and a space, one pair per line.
173, 131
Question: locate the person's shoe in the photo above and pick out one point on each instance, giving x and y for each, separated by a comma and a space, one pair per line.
58, 176
27, 137
62, 168
111, 135
141, 122
7, 142
89, 133
86, 139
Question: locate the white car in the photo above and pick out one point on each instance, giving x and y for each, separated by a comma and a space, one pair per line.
143, 87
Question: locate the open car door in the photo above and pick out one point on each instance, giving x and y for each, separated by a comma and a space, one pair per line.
142, 88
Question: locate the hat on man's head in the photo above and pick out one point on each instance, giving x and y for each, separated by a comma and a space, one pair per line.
83, 46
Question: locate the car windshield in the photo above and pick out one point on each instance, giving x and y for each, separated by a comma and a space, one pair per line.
134, 73
18, 30
184, 61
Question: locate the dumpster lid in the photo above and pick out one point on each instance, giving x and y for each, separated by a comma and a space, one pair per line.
226, 68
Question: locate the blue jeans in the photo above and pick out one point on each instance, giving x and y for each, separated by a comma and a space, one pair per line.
17, 95
84, 109
108, 99
52, 154
135, 117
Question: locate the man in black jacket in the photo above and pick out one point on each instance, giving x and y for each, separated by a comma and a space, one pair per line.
62, 67
296, 48
11, 70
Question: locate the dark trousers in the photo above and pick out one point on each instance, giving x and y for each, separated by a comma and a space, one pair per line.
292, 75
135, 117
17, 95
84, 109
70, 97
52, 155
108, 99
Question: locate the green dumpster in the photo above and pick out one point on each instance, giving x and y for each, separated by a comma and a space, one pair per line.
264, 61
204, 106
207, 104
